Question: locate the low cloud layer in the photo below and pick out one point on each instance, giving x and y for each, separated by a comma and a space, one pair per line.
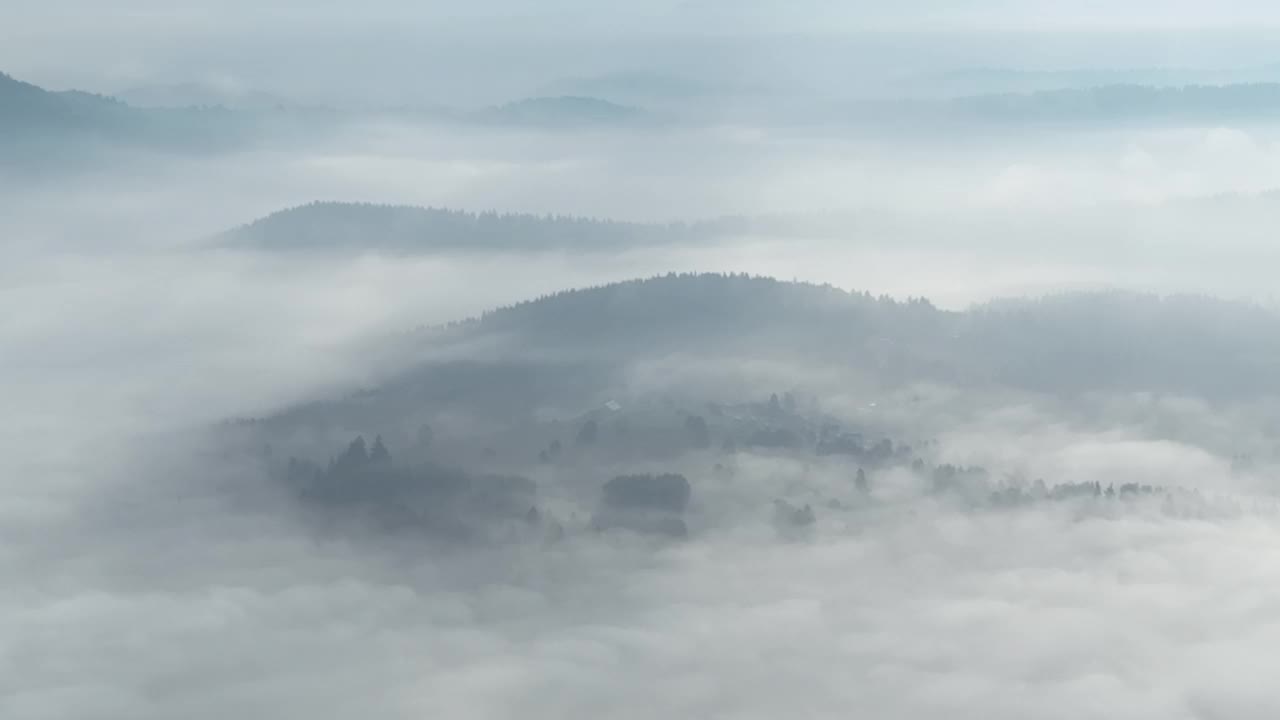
910, 610
871, 528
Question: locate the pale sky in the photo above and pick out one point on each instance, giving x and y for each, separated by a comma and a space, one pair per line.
329, 49
50, 15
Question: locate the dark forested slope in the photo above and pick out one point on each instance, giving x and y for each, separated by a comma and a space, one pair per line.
635, 377
346, 227
576, 348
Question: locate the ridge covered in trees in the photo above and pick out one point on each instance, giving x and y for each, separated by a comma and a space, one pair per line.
557, 437
321, 226
573, 346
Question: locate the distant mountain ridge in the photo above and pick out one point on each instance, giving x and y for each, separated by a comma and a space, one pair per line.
573, 111
996, 80
1127, 103
49, 131
188, 115
341, 226
45, 131
25, 108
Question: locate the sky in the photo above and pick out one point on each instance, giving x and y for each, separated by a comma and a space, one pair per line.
381, 52
806, 13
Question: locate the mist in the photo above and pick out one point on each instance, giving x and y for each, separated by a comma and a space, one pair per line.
692, 359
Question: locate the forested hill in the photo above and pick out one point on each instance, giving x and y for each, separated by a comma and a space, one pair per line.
1069, 342
43, 130
579, 348
27, 108
722, 309
346, 227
